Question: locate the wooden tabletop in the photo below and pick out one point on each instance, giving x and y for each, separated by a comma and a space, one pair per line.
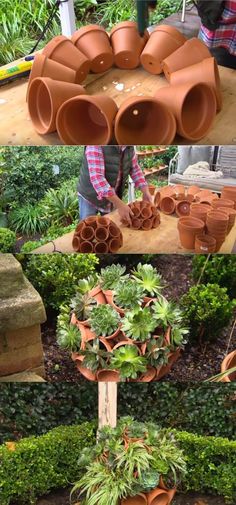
162, 240
16, 127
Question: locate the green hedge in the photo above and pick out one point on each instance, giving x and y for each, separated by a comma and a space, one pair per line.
38, 465
211, 465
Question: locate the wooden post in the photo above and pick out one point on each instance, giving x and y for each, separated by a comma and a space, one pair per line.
107, 404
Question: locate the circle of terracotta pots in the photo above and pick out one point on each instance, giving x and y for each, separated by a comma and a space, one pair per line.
205, 244
189, 228
145, 216
97, 234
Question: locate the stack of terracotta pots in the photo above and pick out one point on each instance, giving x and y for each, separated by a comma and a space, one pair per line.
97, 234
217, 223
145, 216
57, 101
229, 192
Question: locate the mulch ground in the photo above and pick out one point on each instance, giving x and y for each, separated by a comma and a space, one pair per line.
195, 363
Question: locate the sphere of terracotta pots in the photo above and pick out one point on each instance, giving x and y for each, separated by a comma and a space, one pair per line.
188, 228
143, 119
94, 42
167, 205
193, 51
182, 208
108, 376
223, 202
62, 50
163, 41
158, 497
127, 44
139, 499
45, 96
99, 111
229, 362
193, 105
205, 244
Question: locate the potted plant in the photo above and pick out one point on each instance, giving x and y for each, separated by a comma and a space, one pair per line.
82, 305
68, 335
105, 321
111, 276
128, 361
166, 313
150, 280
127, 295
139, 324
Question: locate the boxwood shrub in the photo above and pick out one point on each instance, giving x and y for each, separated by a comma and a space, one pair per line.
218, 269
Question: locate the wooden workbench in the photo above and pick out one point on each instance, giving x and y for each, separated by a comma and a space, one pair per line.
16, 127
162, 240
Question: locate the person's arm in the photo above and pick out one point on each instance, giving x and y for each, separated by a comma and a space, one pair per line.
139, 180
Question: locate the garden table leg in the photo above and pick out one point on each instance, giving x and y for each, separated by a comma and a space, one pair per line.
107, 404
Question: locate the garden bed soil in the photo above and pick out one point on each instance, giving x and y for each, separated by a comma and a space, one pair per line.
195, 363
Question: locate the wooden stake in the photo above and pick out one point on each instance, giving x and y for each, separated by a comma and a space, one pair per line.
107, 404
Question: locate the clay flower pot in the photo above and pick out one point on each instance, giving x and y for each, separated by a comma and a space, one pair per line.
137, 223
189, 198
206, 71
149, 375
217, 220
193, 51
91, 221
182, 208
229, 362
146, 212
179, 191
86, 247
229, 192
114, 245
163, 41
188, 228
93, 41
143, 119
80, 226
231, 213
62, 50
87, 233
86, 120
109, 294
165, 369
147, 224
157, 199
108, 376
205, 244
113, 230
158, 497
101, 233
101, 248
103, 221
152, 189
127, 44
76, 243
45, 96
88, 374
139, 499
223, 202
199, 210
167, 205
192, 190
193, 105
97, 293
156, 221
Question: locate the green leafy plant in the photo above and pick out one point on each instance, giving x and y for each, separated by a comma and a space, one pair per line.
112, 275
207, 310
104, 320
29, 220
166, 313
95, 357
88, 283
7, 240
61, 205
178, 336
128, 362
68, 335
157, 353
138, 324
82, 305
148, 277
217, 269
128, 294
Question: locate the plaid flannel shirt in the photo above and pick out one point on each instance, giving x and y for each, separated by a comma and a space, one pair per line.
96, 167
225, 35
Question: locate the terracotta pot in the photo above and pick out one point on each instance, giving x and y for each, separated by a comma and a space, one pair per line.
87, 233
156, 221
101, 233
229, 362
205, 244
62, 50
127, 44
80, 226
232, 216
193, 51
179, 191
86, 247
135, 210
229, 192
114, 245
193, 105
45, 96
165, 369
99, 111
87, 335
137, 223
217, 219
76, 243
163, 41
167, 205
146, 212
97, 293
88, 374
103, 221
157, 198
223, 202
188, 228
139, 499
78, 323
148, 376
189, 198
128, 341
143, 119
199, 210
109, 295
182, 208
154, 211
192, 190
147, 224
108, 376
206, 71
158, 497
114, 231
101, 248
152, 189
93, 41
91, 221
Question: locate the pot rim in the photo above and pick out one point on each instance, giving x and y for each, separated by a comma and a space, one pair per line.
84, 30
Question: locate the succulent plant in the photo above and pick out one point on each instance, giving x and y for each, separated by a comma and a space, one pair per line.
139, 324
68, 335
148, 277
128, 362
95, 358
178, 337
112, 275
157, 356
104, 320
82, 304
128, 294
166, 313
85, 285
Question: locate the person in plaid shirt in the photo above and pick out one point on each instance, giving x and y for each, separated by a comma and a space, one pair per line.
103, 177
218, 29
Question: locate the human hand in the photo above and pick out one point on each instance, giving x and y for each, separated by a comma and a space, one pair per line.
147, 197
125, 213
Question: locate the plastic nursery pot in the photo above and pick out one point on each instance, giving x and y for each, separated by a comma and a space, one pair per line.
108, 376
93, 41
127, 44
86, 247
101, 233
205, 244
182, 208
163, 41
158, 497
143, 119
76, 243
193, 105
45, 96
229, 362
139, 499
101, 247
167, 205
87, 233
62, 50
86, 120
206, 71
114, 245
223, 202
188, 228
192, 52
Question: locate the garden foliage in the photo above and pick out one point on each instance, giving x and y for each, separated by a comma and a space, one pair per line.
219, 269
7, 240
